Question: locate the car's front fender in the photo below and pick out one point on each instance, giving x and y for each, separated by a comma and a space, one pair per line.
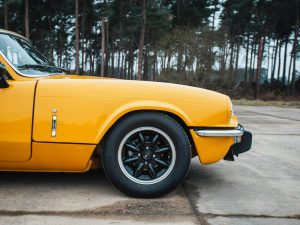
86, 109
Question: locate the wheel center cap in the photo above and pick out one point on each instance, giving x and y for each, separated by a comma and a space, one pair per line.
147, 155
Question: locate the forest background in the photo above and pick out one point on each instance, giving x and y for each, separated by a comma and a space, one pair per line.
243, 48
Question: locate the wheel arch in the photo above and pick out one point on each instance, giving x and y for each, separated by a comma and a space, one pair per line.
173, 112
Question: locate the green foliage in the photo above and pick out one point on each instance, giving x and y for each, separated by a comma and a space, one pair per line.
196, 42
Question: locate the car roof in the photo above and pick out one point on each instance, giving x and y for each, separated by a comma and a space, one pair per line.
2, 31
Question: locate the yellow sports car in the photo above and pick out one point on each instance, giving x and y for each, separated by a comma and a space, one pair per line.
145, 133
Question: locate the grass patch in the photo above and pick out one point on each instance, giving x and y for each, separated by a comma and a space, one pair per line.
292, 104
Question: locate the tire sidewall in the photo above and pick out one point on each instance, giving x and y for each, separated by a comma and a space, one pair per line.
163, 123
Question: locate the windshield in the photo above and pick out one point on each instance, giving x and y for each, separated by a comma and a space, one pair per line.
26, 59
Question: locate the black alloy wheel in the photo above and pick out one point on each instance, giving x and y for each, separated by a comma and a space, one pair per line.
146, 154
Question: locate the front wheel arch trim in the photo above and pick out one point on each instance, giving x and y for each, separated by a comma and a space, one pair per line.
173, 116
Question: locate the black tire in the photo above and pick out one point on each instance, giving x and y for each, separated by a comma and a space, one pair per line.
137, 179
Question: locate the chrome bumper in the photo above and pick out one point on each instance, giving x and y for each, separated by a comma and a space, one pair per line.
242, 139
237, 132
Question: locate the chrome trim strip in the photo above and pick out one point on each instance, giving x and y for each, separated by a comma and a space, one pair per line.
2, 31
220, 133
54, 126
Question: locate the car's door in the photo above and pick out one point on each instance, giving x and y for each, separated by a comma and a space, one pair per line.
16, 113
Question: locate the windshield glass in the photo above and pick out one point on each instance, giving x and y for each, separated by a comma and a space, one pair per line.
25, 58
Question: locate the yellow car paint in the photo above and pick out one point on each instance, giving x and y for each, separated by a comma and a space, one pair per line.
16, 120
86, 108
54, 157
218, 147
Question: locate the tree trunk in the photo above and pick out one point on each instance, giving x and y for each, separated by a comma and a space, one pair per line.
112, 62
102, 46
5, 15
27, 19
186, 60
163, 61
83, 35
198, 66
284, 60
145, 69
86, 56
122, 41
246, 61
268, 57
274, 64
237, 61
222, 63
127, 65
295, 60
131, 58
145, 77
259, 62
180, 61
214, 16
169, 60
91, 60
289, 76
119, 63
250, 65
254, 61
142, 40
51, 43
57, 50
66, 64
279, 61
226, 55
106, 48
179, 6
231, 61
155, 65
77, 36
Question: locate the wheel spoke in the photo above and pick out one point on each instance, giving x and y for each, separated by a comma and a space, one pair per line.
132, 147
151, 171
147, 154
154, 140
130, 160
141, 138
161, 163
138, 170
162, 150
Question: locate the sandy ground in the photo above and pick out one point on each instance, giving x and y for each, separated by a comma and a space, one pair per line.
260, 187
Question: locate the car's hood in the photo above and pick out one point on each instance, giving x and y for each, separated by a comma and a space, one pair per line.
87, 86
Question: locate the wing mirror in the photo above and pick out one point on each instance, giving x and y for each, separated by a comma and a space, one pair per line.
3, 82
